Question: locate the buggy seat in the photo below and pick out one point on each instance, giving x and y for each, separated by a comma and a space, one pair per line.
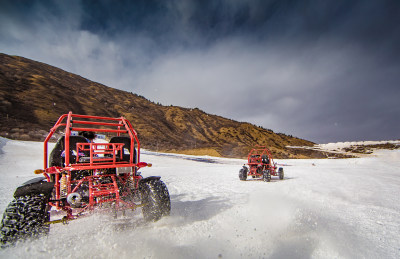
56, 158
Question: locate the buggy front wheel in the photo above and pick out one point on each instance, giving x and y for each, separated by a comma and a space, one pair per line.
281, 173
267, 176
243, 174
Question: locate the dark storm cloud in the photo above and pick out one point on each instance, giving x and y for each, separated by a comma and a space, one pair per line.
320, 70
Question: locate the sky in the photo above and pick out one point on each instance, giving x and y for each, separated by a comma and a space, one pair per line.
325, 71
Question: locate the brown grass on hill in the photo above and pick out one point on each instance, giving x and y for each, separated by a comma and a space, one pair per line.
33, 95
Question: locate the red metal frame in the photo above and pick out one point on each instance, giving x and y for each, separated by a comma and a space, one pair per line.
69, 127
257, 165
102, 156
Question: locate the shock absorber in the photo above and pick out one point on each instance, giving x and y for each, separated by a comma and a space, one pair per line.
63, 185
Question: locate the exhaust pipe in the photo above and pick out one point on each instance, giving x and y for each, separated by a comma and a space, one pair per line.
74, 199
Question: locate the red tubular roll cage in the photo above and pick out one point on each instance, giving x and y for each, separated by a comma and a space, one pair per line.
259, 151
75, 122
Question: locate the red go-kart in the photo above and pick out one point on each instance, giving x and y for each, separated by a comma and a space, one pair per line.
260, 165
80, 175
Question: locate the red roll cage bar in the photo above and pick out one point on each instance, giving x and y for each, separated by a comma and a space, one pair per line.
256, 154
76, 122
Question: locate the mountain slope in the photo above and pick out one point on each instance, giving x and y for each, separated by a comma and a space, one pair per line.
33, 95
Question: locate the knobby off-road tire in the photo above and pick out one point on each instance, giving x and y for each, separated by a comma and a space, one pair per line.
243, 174
156, 198
281, 173
267, 176
24, 218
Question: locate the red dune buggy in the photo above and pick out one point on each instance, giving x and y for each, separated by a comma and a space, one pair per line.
260, 165
80, 175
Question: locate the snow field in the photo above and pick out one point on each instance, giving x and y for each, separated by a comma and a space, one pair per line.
339, 208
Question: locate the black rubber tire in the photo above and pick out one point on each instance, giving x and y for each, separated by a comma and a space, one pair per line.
156, 198
24, 218
267, 176
259, 171
243, 174
281, 173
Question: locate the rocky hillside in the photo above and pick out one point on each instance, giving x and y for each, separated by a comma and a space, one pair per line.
33, 95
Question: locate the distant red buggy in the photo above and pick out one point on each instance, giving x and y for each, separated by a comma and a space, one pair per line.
260, 165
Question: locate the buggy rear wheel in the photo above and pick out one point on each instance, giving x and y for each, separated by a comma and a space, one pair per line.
156, 198
24, 218
281, 173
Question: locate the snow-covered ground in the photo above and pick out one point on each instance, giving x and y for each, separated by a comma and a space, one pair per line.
348, 147
341, 145
332, 208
